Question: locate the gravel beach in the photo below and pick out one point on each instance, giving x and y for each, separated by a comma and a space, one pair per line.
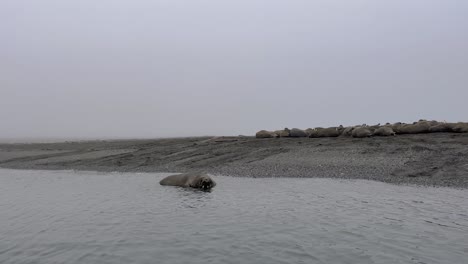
436, 159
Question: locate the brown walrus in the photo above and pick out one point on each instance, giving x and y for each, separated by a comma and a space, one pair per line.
282, 133
192, 180
296, 132
441, 127
325, 132
460, 127
384, 131
265, 134
361, 132
347, 131
419, 127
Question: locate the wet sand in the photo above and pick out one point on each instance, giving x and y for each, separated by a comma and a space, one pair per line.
438, 159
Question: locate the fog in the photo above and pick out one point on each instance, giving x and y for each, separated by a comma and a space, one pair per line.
119, 69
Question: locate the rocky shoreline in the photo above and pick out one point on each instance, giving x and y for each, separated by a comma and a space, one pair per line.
435, 159
362, 131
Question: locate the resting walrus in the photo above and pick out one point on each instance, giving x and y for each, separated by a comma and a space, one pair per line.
193, 180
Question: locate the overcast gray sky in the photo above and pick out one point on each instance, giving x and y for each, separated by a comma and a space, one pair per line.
114, 68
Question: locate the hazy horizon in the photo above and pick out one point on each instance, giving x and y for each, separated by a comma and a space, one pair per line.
131, 69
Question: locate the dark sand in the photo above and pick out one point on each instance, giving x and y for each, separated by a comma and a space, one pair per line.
426, 159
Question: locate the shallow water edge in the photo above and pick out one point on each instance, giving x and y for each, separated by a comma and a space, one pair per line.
427, 159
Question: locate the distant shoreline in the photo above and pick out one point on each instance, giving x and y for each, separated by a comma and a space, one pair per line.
75, 140
438, 159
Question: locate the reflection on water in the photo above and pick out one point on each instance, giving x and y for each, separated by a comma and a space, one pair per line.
85, 217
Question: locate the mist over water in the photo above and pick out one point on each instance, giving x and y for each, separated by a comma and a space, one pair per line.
111, 69
88, 217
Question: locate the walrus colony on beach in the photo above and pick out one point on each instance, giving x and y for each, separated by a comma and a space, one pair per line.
193, 180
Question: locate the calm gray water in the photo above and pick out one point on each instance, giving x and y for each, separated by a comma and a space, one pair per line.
86, 217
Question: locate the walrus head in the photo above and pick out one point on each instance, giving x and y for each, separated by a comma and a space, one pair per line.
204, 183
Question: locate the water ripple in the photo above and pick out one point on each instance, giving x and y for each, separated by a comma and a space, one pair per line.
73, 217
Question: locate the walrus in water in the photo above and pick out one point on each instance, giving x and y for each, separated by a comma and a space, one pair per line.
192, 180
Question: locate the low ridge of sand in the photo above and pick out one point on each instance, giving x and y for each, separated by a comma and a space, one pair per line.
437, 159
